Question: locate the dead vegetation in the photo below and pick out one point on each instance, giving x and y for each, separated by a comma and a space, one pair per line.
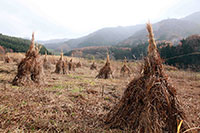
93, 66
16, 57
77, 102
125, 70
149, 103
30, 69
46, 63
106, 71
61, 66
71, 65
78, 65
53, 60
7, 59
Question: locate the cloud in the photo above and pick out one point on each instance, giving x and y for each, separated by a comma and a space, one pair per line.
74, 18
19, 20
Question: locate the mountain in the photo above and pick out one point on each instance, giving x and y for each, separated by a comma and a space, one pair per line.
102, 37
169, 29
195, 18
16, 44
54, 43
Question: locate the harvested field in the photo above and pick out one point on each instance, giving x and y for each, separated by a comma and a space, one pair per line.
77, 102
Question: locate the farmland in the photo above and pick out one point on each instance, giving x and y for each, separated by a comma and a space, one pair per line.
77, 101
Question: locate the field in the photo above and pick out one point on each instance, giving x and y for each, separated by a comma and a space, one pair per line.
77, 102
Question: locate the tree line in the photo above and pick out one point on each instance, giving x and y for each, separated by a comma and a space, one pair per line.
185, 54
14, 44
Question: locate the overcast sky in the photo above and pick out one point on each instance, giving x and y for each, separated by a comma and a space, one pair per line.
51, 19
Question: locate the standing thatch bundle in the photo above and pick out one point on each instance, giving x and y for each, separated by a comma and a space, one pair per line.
7, 59
78, 65
125, 70
46, 64
71, 66
45, 57
149, 104
2, 53
106, 71
30, 69
53, 60
93, 66
61, 66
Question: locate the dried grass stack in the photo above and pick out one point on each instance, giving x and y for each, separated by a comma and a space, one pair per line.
93, 66
106, 71
61, 66
30, 69
125, 70
149, 104
78, 65
47, 65
53, 60
7, 59
71, 66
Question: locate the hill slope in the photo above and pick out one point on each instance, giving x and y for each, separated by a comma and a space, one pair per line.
169, 29
195, 17
17, 44
54, 43
102, 37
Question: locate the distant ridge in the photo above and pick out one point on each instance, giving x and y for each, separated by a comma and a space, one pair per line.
53, 43
195, 18
102, 37
169, 29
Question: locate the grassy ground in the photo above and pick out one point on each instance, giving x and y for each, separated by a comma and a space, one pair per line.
77, 102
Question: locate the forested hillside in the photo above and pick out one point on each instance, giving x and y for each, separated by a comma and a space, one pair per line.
185, 54
15, 44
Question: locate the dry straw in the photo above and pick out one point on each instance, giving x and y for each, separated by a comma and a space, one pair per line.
7, 59
106, 71
61, 66
149, 104
47, 65
71, 65
125, 70
93, 66
78, 65
30, 69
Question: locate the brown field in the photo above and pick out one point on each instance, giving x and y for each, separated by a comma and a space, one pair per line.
77, 102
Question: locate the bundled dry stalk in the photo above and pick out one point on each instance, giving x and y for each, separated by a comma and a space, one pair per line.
61, 66
78, 65
46, 64
30, 69
45, 57
93, 66
7, 59
125, 70
106, 71
71, 66
149, 104
53, 60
